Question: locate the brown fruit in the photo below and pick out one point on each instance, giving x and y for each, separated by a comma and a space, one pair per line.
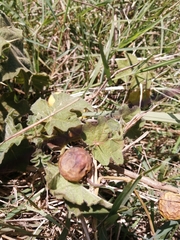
74, 164
169, 206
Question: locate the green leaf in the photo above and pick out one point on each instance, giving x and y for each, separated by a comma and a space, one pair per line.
72, 192
97, 211
7, 104
10, 129
12, 57
121, 201
41, 109
106, 140
132, 71
15, 212
137, 33
161, 64
39, 158
63, 120
65, 231
39, 81
165, 229
104, 60
124, 63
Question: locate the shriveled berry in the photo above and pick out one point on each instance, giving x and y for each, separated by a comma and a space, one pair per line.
169, 206
74, 164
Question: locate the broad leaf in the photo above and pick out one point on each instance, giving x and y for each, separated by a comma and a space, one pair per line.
7, 104
125, 65
106, 140
130, 72
12, 58
10, 129
39, 81
67, 117
73, 192
97, 211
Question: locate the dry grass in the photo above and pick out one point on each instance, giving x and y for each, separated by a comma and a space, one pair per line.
76, 43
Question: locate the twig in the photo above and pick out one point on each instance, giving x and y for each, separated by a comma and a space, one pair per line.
147, 212
136, 118
98, 185
123, 69
6, 237
97, 92
146, 180
26, 219
136, 141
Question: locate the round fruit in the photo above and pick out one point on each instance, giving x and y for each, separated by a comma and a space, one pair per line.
74, 164
169, 206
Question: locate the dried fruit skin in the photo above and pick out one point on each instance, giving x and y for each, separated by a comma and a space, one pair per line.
74, 164
169, 206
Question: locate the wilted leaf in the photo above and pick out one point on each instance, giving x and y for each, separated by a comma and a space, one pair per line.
106, 140
66, 118
136, 98
169, 206
60, 138
4, 21
72, 192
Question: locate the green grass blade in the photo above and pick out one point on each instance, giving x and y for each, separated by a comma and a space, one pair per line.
121, 201
161, 64
103, 59
124, 196
105, 63
162, 117
164, 230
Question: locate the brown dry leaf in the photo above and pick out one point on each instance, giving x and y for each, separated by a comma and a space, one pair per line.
169, 206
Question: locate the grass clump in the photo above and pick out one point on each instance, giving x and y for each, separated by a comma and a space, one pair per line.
120, 64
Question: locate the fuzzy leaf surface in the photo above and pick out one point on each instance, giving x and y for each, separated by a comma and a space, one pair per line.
73, 192
106, 140
12, 58
132, 75
65, 118
10, 129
